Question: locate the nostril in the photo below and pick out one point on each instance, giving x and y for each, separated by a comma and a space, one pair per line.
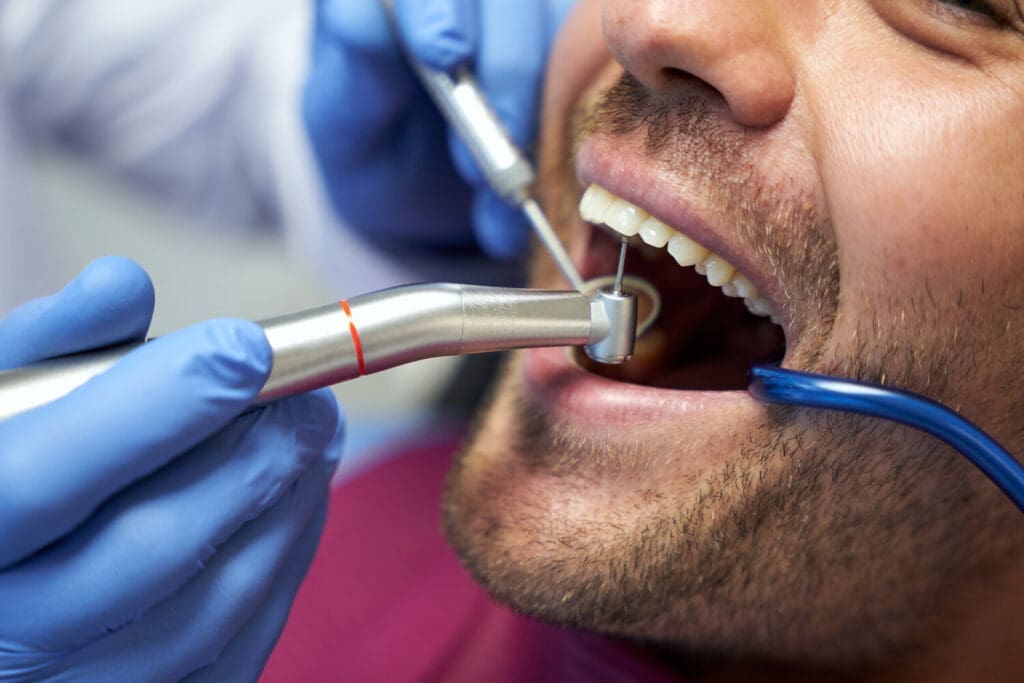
673, 74
756, 94
675, 79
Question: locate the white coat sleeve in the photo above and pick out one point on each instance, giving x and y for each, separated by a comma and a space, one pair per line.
182, 97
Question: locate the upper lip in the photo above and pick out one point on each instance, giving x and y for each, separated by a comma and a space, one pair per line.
628, 176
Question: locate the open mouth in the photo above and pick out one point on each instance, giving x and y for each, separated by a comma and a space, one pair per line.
714, 323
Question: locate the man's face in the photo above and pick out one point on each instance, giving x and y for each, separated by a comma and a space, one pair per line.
861, 164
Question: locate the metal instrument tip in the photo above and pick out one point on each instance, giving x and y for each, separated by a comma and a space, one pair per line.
621, 272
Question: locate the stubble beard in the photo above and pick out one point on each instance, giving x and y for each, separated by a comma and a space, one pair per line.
825, 539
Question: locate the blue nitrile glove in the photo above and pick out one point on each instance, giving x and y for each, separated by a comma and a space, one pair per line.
379, 139
150, 530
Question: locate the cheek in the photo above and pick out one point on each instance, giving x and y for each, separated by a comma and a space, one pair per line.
925, 182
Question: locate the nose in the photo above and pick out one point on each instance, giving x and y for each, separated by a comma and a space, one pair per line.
734, 46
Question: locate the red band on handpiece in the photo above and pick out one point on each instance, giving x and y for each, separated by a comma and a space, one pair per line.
356, 344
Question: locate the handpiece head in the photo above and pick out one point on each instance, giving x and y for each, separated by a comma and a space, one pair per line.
614, 315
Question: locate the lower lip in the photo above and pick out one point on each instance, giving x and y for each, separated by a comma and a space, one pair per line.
589, 400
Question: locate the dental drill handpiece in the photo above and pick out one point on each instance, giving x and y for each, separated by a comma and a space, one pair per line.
377, 331
508, 172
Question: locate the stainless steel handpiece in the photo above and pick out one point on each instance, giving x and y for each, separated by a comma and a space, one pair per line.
377, 331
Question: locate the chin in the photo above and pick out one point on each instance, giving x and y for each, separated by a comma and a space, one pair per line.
772, 537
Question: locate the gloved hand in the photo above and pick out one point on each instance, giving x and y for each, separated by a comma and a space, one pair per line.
149, 531
378, 138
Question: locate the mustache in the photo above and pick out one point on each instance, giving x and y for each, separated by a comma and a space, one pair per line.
687, 118
689, 133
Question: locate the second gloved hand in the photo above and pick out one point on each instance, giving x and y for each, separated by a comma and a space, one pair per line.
152, 530
382, 147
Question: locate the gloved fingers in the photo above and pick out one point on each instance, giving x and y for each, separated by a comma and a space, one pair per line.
376, 136
510, 63
442, 34
244, 658
446, 33
406, 189
359, 25
501, 229
150, 539
58, 463
191, 630
359, 85
109, 302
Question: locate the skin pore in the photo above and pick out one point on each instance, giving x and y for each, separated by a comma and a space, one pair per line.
866, 159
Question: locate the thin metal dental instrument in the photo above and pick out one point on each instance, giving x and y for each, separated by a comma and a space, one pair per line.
507, 170
621, 270
380, 330
549, 239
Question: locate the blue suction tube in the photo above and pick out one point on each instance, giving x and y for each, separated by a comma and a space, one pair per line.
773, 384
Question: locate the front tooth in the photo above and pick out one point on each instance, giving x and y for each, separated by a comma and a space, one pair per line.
759, 306
730, 290
600, 206
655, 233
595, 203
718, 270
685, 251
744, 287
624, 218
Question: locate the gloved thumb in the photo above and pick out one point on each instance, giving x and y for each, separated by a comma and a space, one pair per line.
109, 302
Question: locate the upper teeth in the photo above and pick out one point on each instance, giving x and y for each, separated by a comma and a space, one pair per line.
600, 206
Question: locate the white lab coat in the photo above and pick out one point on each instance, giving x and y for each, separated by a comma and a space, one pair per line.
197, 101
